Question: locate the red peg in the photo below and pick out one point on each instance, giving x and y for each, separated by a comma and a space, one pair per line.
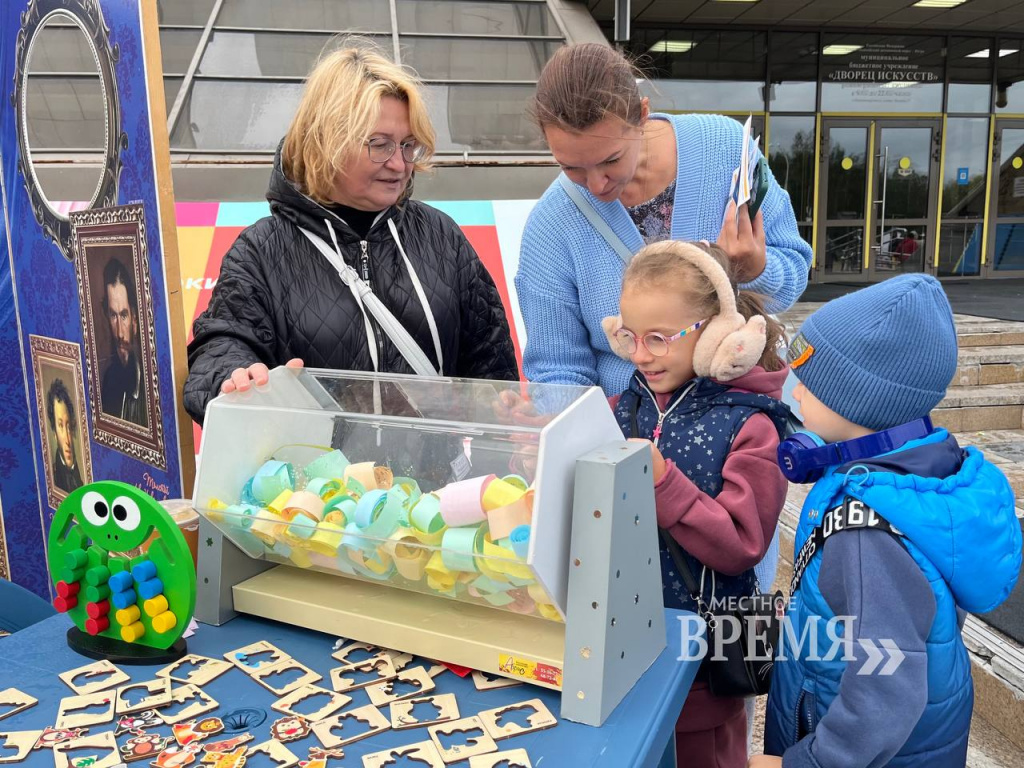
64, 589
64, 604
95, 626
97, 610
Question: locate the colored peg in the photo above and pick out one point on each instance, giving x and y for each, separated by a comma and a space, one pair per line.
71, 575
164, 622
122, 581
97, 610
155, 606
98, 575
150, 589
97, 593
144, 571
124, 599
133, 632
128, 616
64, 589
76, 559
64, 604
95, 626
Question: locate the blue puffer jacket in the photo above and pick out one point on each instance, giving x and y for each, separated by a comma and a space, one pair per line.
962, 532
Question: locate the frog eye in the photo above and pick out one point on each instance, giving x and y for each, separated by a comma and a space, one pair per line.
95, 509
126, 513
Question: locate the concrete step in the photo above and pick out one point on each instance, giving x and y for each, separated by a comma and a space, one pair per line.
971, 409
986, 332
981, 366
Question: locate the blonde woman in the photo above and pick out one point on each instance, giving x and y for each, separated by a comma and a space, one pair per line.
338, 200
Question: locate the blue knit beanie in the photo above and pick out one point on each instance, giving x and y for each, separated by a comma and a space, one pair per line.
881, 356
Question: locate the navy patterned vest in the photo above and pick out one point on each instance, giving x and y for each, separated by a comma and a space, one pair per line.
700, 423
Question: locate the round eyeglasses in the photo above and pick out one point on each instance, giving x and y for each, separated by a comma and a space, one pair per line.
654, 342
381, 150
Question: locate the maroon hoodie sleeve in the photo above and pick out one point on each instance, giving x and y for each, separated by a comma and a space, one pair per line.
729, 532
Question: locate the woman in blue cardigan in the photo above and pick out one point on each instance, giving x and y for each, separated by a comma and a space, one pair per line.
649, 177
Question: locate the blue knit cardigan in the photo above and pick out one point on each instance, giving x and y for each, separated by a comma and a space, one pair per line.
569, 278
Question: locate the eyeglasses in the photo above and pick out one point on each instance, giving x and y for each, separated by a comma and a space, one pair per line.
381, 150
654, 342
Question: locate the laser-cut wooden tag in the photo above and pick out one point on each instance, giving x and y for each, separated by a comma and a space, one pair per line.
287, 703
384, 693
240, 656
421, 752
540, 719
368, 714
291, 728
344, 679
512, 758
158, 694
21, 741
485, 682
204, 703
13, 701
111, 676
342, 654
207, 669
307, 677
402, 712
477, 740
66, 717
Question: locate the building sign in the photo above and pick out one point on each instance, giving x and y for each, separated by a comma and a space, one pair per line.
962, 177
883, 73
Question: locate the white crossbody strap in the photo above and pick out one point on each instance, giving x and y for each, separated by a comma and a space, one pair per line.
367, 300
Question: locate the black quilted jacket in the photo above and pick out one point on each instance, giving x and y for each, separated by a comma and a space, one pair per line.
277, 298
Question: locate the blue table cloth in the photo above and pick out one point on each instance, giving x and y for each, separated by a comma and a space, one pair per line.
637, 733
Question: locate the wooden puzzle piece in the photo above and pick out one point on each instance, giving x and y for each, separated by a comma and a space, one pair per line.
177, 756
22, 742
187, 732
403, 714
290, 728
276, 751
234, 759
71, 704
228, 745
158, 694
369, 715
422, 753
321, 753
335, 701
109, 677
50, 737
253, 658
509, 758
464, 739
195, 670
138, 721
345, 679
142, 746
104, 741
320, 762
486, 682
436, 669
182, 695
401, 660
307, 677
16, 700
391, 690
539, 719
345, 653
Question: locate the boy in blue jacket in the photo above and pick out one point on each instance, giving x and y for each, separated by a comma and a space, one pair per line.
902, 531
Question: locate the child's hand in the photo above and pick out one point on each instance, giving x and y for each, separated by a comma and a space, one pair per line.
658, 466
764, 761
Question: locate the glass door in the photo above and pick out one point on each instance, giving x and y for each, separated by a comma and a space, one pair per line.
843, 198
1006, 236
905, 188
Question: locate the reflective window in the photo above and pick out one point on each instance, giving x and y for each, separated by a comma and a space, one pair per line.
269, 54
455, 59
66, 113
882, 73
219, 115
475, 18
970, 74
59, 48
171, 87
1010, 192
482, 118
791, 157
960, 249
963, 178
847, 172
1009, 74
177, 47
333, 16
794, 72
703, 96
184, 11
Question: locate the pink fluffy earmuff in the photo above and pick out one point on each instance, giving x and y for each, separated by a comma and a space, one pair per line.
729, 345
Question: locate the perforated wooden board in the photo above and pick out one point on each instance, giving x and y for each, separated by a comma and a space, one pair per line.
344, 679
475, 737
203, 703
158, 694
508, 758
206, 670
71, 704
540, 720
240, 656
342, 654
307, 677
103, 741
21, 741
276, 751
384, 693
369, 715
111, 675
13, 701
402, 712
422, 752
287, 703
485, 682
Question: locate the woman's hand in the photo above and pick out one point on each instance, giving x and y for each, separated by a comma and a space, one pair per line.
242, 378
658, 465
510, 406
743, 240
